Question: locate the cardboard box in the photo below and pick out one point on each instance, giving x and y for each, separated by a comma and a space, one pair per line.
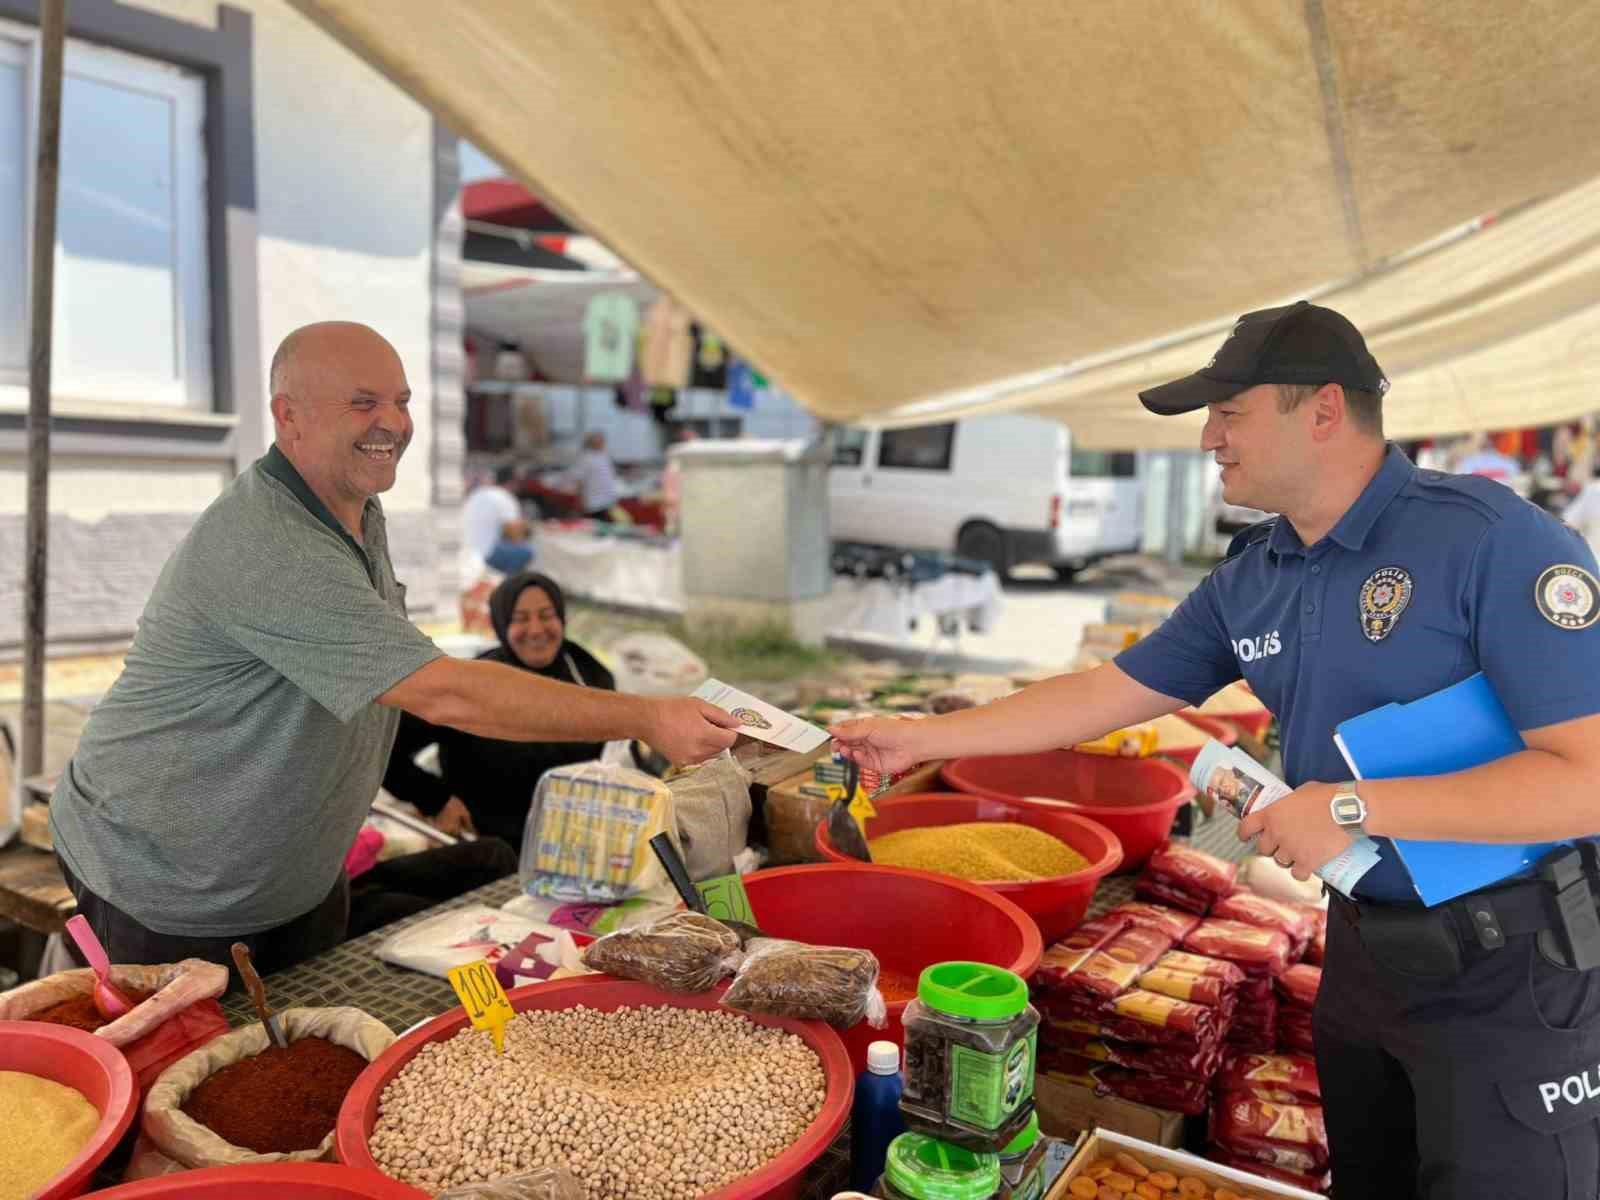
1104, 1143
1068, 1109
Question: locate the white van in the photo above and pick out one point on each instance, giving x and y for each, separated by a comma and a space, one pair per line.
1008, 489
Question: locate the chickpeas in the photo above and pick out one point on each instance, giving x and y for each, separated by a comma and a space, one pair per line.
639, 1104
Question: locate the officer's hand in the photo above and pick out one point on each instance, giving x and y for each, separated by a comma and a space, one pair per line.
889, 745
688, 730
1298, 830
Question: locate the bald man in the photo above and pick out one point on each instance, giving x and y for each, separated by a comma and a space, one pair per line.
220, 782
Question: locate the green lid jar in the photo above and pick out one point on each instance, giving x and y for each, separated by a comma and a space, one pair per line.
971, 1044
1022, 1164
923, 1168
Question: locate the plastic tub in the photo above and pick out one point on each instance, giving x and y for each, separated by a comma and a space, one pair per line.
909, 919
1211, 726
1136, 798
780, 1179
79, 1060
268, 1181
1254, 723
1057, 903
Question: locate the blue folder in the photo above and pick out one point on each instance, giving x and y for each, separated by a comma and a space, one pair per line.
1460, 727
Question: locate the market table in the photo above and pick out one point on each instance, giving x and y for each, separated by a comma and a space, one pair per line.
32, 891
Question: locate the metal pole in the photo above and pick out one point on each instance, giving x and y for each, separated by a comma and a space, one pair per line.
41, 311
1177, 485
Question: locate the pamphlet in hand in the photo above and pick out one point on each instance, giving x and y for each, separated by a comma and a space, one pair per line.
760, 720
1231, 778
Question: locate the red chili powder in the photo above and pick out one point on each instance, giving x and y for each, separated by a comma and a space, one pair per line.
280, 1100
80, 1012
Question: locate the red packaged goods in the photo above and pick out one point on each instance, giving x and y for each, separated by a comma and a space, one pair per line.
1291, 1137
1294, 1030
1115, 967
1152, 1008
1198, 989
1181, 1061
1299, 985
1256, 990
1257, 951
1192, 870
1125, 1029
1199, 964
1258, 1039
1295, 1073
1293, 919
1164, 894
1311, 1183
1178, 925
1069, 953
1188, 1096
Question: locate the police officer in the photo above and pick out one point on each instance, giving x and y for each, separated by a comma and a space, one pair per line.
1458, 1046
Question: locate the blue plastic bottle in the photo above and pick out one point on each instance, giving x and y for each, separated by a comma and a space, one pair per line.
875, 1117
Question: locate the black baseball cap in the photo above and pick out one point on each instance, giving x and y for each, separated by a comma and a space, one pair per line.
1297, 343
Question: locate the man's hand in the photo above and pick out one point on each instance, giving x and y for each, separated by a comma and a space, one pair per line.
689, 731
887, 744
1299, 830
454, 818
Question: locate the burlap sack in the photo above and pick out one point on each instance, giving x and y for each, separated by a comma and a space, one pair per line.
169, 1134
712, 802
176, 986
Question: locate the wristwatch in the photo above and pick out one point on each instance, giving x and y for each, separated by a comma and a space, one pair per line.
1349, 809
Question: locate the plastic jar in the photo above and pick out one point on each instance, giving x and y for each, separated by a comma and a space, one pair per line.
971, 1043
1022, 1165
922, 1168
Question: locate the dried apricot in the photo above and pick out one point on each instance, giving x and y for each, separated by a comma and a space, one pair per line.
1225, 1194
1146, 1190
1165, 1180
1129, 1165
1084, 1188
1116, 1179
1110, 1193
1099, 1168
1190, 1186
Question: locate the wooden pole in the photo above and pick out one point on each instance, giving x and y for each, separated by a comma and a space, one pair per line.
41, 312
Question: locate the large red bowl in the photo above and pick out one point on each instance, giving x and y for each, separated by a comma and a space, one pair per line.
268, 1181
1056, 903
780, 1179
91, 1065
1136, 798
1211, 726
909, 919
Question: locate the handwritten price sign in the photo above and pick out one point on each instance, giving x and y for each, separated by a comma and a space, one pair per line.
484, 999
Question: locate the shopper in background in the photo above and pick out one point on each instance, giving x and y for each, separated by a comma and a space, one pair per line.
494, 527
597, 478
1453, 1055
485, 784
1583, 513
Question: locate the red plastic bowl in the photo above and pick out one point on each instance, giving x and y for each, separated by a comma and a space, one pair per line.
91, 1065
1056, 903
1254, 723
1136, 798
780, 1179
1221, 730
268, 1181
909, 919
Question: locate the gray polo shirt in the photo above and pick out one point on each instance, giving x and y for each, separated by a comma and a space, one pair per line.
220, 782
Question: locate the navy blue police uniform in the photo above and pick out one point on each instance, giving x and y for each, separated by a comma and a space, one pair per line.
1480, 1078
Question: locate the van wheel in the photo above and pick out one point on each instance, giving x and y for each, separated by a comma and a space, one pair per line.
1065, 572
984, 542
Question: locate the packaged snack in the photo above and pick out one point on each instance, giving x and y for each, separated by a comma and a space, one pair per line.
836, 984
1061, 959
1294, 1031
1198, 989
589, 830
1169, 895
1175, 924
1181, 1061
1291, 1137
683, 952
1188, 1096
1297, 1073
1114, 967
1322, 1182
1199, 964
1127, 1029
1192, 870
1295, 921
1151, 1008
1299, 985
1254, 950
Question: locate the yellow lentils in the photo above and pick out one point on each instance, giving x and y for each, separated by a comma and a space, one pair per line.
983, 851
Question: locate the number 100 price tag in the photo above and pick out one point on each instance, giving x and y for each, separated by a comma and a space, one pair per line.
484, 999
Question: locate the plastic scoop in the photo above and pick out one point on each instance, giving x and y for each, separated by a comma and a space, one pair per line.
258, 995
108, 999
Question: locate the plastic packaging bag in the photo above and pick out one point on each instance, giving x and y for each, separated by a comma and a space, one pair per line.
589, 830
683, 952
544, 1183
457, 937
836, 984
172, 1136
712, 807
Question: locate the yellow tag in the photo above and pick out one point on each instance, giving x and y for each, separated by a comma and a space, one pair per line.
1137, 741
861, 808
484, 999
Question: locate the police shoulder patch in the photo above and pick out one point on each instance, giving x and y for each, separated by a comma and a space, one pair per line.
1384, 597
1567, 596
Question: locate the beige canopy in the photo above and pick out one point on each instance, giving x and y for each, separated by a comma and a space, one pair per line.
887, 202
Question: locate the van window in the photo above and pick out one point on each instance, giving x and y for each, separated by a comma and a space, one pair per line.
1102, 464
848, 446
920, 448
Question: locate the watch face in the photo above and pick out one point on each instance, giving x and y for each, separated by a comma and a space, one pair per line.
1347, 810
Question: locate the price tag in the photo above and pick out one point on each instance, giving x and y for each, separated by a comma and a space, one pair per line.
861, 808
484, 999
726, 900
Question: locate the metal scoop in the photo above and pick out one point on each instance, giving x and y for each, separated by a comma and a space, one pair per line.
690, 895
258, 995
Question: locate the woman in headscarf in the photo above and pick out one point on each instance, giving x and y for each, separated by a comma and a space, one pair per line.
487, 784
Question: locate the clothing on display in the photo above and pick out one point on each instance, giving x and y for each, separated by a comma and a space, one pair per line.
668, 345
610, 324
710, 359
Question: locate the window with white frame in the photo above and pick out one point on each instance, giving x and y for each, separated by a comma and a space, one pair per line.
132, 315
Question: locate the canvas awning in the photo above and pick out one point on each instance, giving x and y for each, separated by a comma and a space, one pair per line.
887, 202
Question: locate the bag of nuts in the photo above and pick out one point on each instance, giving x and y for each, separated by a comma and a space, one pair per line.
681, 952
836, 984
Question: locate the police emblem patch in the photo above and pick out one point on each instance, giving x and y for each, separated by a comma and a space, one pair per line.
1384, 597
1567, 596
